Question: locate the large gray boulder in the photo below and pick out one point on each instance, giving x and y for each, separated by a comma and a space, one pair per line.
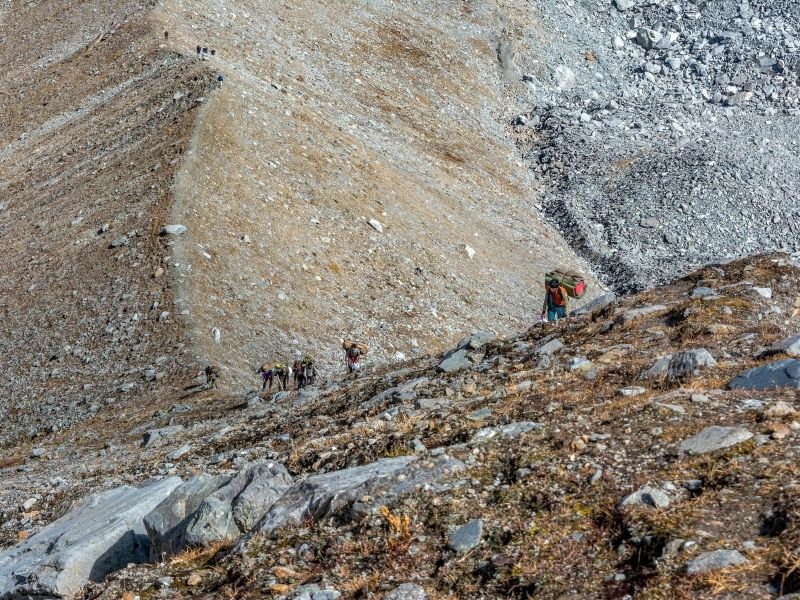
456, 361
715, 438
596, 306
100, 536
360, 489
407, 591
237, 506
680, 365
789, 346
166, 524
780, 374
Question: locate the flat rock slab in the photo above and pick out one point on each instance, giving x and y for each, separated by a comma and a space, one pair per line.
100, 536
714, 561
456, 361
476, 341
781, 374
550, 348
466, 537
715, 438
680, 365
509, 431
636, 313
360, 490
595, 306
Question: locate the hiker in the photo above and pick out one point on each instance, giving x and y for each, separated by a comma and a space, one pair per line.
297, 368
199, 49
277, 372
166, 35
305, 372
555, 301
212, 372
352, 355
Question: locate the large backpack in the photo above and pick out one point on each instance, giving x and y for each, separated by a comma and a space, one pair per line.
572, 281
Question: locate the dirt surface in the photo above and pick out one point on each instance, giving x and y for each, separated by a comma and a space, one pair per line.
331, 115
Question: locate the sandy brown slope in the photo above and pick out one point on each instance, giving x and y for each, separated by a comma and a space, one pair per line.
333, 114
91, 135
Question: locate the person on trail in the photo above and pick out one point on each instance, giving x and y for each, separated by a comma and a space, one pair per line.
555, 301
212, 372
353, 358
305, 372
278, 372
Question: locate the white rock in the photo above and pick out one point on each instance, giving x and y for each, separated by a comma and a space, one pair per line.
470, 251
174, 230
376, 225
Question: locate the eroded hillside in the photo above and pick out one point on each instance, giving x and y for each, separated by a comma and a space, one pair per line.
332, 115
97, 113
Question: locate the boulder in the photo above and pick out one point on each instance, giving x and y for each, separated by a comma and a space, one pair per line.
781, 374
154, 437
680, 365
237, 506
100, 536
509, 431
311, 591
550, 348
166, 523
789, 346
715, 438
358, 489
476, 341
456, 361
596, 306
714, 561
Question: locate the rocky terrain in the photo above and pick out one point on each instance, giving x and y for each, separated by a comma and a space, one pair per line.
646, 447
665, 132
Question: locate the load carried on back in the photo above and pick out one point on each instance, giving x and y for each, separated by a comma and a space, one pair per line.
572, 281
353, 352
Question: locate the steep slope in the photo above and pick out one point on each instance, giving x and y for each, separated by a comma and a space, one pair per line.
96, 115
594, 466
333, 114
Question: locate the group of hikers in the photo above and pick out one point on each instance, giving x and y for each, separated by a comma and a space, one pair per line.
303, 371
559, 287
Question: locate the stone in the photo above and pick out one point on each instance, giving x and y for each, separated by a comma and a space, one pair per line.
456, 361
623, 5
154, 437
789, 346
509, 431
166, 523
466, 537
359, 490
480, 414
780, 410
120, 241
174, 230
476, 341
407, 591
647, 497
376, 225
103, 534
715, 438
714, 561
432, 403
702, 292
312, 591
680, 365
581, 364
550, 348
631, 391
648, 38
564, 77
780, 374
596, 306
764, 292
236, 507
636, 313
